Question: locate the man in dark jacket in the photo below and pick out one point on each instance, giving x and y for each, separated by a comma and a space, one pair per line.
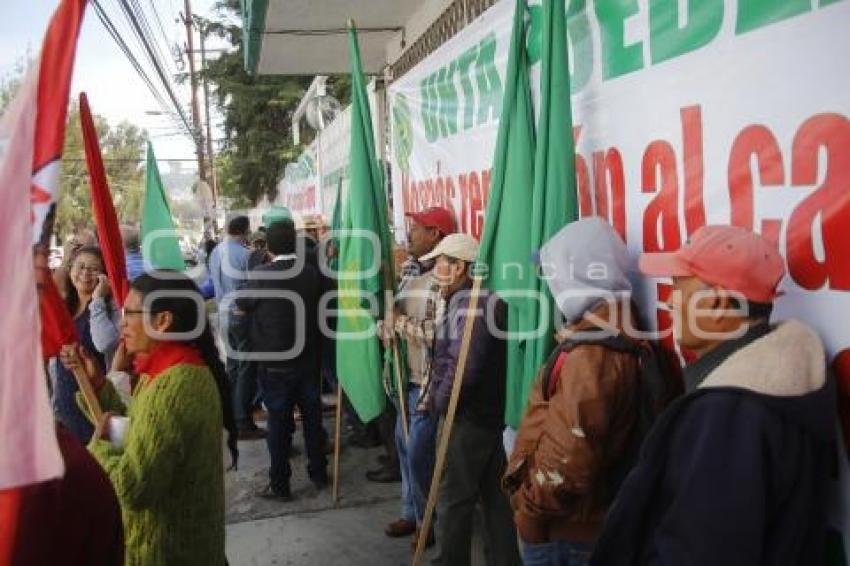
735, 472
476, 458
282, 300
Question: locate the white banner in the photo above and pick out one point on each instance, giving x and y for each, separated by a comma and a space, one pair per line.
685, 113
298, 189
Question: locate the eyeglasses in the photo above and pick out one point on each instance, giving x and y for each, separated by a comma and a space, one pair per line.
125, 311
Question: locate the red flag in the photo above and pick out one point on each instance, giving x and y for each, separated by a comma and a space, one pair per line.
10, 503
57, 326
105, 218
57, 62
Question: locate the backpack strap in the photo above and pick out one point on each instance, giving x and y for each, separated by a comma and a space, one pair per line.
617, 343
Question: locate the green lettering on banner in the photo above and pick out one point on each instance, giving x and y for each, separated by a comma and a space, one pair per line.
429, 109
753, 14
668, 40
464, 63
617, 58
488, 81
581, 45
445, 86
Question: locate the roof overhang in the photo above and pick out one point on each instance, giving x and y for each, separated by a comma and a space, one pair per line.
309, 37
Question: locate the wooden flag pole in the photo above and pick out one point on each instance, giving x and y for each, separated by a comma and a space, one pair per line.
337, 429
402, 404
400, 386
88, 394
448, 422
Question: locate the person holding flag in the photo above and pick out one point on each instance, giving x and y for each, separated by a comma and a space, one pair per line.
476, 458
96, 319
167, 468
413, 320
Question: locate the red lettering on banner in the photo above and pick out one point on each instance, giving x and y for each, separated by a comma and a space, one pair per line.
464, 200
609, 181
583, 182
485, 187
693, 161
476, 209
830, 203
658, 174
759, 142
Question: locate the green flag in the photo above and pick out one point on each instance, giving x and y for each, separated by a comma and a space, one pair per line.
365, 264
532, 183
554, 186
160, 247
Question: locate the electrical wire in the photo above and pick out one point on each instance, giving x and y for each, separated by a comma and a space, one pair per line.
143, 38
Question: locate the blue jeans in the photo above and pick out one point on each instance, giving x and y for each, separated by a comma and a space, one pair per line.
283, 389
416, 457
241, 373
556, 553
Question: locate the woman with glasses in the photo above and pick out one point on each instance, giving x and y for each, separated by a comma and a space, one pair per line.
87, 297
168, 470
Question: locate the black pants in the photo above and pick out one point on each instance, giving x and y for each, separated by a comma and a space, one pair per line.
474, 466
241, 373
283, 389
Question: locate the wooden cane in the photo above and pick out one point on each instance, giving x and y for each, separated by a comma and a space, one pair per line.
442, 449
337, 429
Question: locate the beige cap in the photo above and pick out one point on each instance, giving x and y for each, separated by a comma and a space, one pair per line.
457, 246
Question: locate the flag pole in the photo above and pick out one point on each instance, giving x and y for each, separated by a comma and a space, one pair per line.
337, 434
388, 284
449, 420
89, 395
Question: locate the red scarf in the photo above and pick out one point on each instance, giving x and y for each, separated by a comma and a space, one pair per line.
164, 356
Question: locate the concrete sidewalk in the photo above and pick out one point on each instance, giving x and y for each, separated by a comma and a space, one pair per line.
310, 529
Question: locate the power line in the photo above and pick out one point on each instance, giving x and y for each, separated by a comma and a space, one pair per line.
116, 35
154, 60
159, 22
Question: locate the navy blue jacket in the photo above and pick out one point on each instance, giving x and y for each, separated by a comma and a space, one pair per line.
736, 472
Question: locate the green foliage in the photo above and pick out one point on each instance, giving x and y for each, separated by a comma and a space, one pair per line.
122, 147
258, 116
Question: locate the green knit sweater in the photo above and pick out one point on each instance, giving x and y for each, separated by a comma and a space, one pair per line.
169, 476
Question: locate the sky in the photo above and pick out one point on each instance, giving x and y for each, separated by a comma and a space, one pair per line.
104, 72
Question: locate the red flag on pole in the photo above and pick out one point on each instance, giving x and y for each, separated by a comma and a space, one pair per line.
108, 233
57, 326
32, 133
54, 82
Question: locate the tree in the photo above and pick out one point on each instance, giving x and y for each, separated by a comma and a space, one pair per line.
122, 148
258, 116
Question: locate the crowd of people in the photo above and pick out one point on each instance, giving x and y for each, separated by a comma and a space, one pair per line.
620, 457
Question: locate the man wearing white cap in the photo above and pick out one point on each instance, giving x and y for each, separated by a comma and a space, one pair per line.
476, 459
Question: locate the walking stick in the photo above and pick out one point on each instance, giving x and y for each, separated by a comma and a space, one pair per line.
337, 429
443, 447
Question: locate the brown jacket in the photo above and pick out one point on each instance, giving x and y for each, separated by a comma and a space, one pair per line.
566, 447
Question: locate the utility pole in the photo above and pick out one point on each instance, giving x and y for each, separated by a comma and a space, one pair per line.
196, 114
210, 153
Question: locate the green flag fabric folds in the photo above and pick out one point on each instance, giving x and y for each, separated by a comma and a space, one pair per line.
365, 258
532, 195
160, 246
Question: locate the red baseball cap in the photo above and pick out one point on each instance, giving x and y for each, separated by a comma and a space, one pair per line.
435, 217
726, 256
